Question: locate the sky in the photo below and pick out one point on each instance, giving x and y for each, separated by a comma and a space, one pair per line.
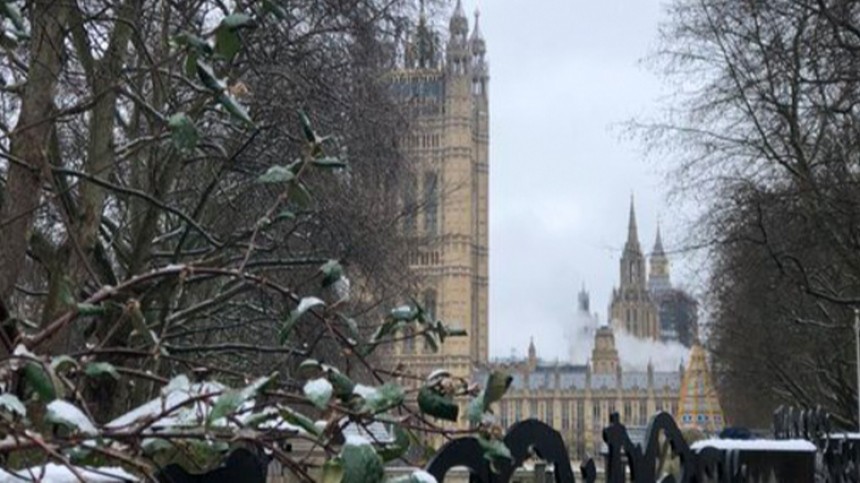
565, 76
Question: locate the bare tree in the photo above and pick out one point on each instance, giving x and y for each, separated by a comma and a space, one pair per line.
766, 124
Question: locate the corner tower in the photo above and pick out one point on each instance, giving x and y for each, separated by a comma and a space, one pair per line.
447, 100
658, 276
632, 309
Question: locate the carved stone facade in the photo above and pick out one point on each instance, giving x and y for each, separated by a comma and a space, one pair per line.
447, 97
632, 308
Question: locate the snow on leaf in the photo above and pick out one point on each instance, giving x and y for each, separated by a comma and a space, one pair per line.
22, 351
309, 302
12, 404
95, 369
319, 392
178, 383
67, 414
438, 374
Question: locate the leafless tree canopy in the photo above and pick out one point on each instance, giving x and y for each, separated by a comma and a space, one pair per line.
766, 126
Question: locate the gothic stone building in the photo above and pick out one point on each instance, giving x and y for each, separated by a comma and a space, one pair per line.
446, 94
578, 399
651, 308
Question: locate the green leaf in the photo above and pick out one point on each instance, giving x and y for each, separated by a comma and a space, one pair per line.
318, 391
309, 369
207, 77
332, 272
227, 42
498, 383
191, 64
60, 363
494, 451
475, 411
271, 7
300, 420
404, 313
186, 39
41, 382
237, 21
310, 136
300, 194
89, 310
304, 305
183, 132
384, 398
10, 11
437, 405
95, 369
332, 471
10, 403
226, 404
67, 414
361, 464
276, 174
352, 327
329, 162
343, 386
397, 449
237, 110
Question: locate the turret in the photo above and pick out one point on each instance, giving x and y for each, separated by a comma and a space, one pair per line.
480, 69
425, 43
632, 261
532, 354
458, 46
658, 276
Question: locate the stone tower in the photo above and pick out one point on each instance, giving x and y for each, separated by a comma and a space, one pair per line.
604, 355
632, 309
658, 276
447, 98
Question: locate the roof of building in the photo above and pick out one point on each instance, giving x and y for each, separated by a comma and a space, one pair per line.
573, 377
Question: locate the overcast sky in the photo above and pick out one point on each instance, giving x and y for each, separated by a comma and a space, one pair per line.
564, 74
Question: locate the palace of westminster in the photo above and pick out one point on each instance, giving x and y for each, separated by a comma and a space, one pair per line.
447, 92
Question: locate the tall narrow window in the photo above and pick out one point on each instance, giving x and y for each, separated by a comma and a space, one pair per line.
431, 207
409, 206
430, 302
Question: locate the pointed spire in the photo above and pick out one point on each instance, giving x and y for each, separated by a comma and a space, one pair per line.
476, 32
632, 231
658, 244
458, 10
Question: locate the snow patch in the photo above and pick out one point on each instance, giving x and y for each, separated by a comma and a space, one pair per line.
174, 407
363, 391
353, 439
755, 444
308, 303
423, 477
60, 411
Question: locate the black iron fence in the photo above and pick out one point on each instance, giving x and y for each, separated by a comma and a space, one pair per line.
804, 449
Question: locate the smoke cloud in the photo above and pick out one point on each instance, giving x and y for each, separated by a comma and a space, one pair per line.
634, 353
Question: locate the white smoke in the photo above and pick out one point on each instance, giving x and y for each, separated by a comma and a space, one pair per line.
633, 352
